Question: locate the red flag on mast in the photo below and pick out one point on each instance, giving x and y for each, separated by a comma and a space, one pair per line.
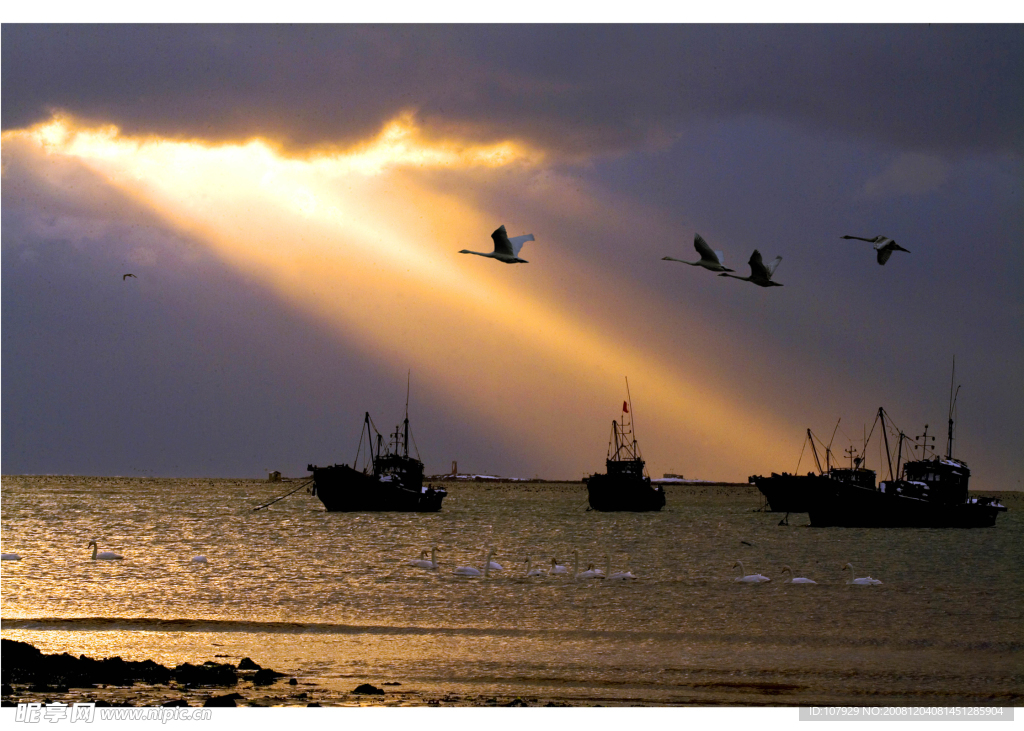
625, 408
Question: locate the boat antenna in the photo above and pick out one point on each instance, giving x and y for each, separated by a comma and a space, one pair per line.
408, 380
952, 405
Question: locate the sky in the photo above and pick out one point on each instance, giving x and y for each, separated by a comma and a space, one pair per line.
292, 201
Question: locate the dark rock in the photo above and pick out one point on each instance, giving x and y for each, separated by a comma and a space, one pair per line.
180, 703
206, 674
8, 704
392, 683
301, 695
308, 705
293, 681
222, 701
103, 704
367, 689
517, 703
266, 676
24, 663
248, 664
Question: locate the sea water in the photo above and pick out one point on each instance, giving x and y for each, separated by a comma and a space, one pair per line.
330, 599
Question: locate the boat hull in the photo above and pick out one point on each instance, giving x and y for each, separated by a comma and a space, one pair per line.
846, 506
343, 489
788, 493
611, 493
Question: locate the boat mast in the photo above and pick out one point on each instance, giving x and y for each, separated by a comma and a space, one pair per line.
828, 449
814, 451
952, 403
405, 447
632, 424
885, 435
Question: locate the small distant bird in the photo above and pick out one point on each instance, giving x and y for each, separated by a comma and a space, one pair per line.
505, 249
128, 275
760, 274
883, 245
711, 260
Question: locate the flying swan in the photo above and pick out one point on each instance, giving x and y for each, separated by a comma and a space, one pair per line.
711, 260
883, 245
103, 555
760, 274
505, 249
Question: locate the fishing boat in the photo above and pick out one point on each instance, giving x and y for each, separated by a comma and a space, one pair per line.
389, 480
791, 493
931, 492
625, 486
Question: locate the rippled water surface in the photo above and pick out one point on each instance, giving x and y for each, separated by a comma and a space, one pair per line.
331, 599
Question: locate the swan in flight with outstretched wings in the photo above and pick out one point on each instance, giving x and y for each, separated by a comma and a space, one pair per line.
505, 249
760, 274
883, 245
711, 260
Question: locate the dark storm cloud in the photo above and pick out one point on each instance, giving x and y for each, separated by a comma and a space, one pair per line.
579, 89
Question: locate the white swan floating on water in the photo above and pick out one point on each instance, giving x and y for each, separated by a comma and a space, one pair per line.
748, 578
9, 557
103, 555
505, 249
863, 580
472, 570
618, 575
423, 563
557, 568
199, 559
590, 573
795, 579
532, 571
494, 565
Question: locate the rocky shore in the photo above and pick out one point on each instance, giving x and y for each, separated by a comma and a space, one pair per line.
29, 676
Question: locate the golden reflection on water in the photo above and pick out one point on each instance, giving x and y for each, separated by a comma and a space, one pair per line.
330, 597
